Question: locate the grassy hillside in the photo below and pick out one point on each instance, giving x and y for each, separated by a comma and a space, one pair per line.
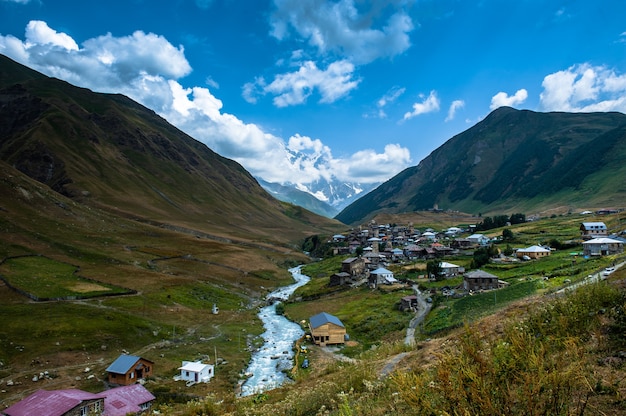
140, 228
512, 161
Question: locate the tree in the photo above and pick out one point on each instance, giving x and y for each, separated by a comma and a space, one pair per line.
433, 268
517, 218
507, 234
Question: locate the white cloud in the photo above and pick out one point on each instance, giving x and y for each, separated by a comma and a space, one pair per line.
584, 88
340, 27
367, 166
456, 105
502, 99
294, 88
146, 67
427, 105
38, 32
18, 1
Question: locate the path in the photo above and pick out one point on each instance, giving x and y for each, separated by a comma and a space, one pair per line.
423, 308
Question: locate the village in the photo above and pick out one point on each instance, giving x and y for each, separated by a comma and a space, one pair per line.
370, 253
379, 248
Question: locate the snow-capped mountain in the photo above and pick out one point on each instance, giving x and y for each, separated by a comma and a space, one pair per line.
323, 197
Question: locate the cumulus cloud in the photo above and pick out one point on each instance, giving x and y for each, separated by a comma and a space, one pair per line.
147, 68
456, 105
294, 88
340, 27
38, 32
584, 88
427, 105
502, 99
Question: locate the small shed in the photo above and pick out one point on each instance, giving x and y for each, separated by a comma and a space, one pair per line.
196, 372
408, 303
339, 279
327, 329
129, 369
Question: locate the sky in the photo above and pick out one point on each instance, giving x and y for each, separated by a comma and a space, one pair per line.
352, 90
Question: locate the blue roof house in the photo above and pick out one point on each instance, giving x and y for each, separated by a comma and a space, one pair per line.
327, 329
129, 369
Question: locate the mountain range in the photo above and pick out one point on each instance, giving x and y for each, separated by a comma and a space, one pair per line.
111, 153
512, 161
324, 197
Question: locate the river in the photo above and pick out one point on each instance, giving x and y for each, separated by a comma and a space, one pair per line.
276, 355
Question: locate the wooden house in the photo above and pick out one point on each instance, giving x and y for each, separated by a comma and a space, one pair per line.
340, 279
129, 369
327, 329
408, 303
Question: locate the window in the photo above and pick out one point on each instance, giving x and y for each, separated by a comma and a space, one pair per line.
132, 375
83, 411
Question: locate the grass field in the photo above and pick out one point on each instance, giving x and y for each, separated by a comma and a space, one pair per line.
42, 278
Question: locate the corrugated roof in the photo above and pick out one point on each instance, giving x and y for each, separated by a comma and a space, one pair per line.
324, 318
50, 403
195, 367
479, 274
125, 399
123, 364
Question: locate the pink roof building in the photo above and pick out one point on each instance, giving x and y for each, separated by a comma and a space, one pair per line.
119, 401
57, 403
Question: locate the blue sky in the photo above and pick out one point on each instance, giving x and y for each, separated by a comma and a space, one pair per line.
356, 90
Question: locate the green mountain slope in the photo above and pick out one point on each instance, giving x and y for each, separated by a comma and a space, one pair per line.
110, 152
512, 160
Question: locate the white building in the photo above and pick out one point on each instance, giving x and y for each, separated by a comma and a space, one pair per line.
381, 276
196, 372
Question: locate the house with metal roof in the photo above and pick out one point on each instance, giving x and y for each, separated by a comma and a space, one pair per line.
327, 329
129, 369
481, 280
381, 276
602, 247
533, 252
120, 401
125, 400
195, 372
68, 402
593, 229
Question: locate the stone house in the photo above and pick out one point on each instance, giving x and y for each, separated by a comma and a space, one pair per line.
480, 280
595, 229
602, 247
